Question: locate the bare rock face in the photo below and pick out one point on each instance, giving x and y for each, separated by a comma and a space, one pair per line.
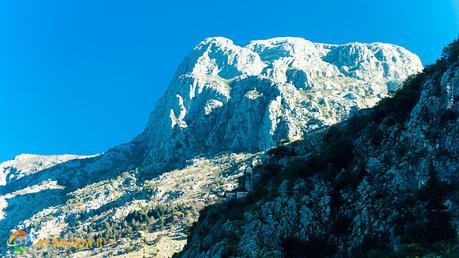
226, 97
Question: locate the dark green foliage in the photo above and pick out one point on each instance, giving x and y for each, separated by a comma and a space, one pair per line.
229, 251
398, 108
315, 163
234, 209
338, 150
379, 253
428, 223
378, 242
145, 216
270, 169
413, 250
147, 219
350, 179
376, 136
299, 167
451, 52
315, 247
270, 174
281, 152
401, 149
341, 221
448, 115
342, 224
438, 226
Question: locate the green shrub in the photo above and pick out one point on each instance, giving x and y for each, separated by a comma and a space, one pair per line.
299, 167
451, 51
339, 150
281, 152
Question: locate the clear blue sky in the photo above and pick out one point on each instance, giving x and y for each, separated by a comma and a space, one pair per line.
82, 76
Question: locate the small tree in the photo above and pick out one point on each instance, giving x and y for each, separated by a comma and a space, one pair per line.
451, 52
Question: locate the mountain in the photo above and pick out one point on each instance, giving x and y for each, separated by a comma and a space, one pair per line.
225, 106
230, 98
384, 183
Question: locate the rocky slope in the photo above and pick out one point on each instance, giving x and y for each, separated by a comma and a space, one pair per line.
27, 164
225, 104
384, 183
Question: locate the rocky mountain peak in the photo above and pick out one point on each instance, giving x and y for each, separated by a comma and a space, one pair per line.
226, 97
